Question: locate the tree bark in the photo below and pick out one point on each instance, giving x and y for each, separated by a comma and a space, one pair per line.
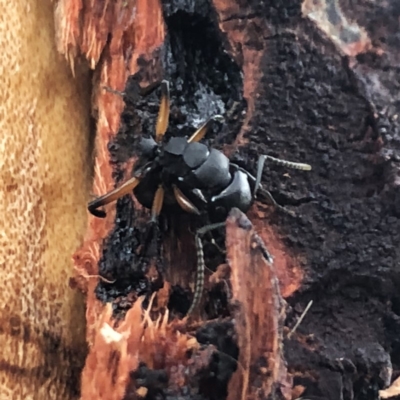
309, 82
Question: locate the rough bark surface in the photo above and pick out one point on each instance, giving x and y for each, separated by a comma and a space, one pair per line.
300, 82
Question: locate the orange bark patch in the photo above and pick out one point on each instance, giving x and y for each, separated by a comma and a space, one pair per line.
238, 31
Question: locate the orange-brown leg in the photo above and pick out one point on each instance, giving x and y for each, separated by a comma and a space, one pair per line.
115, 194
184, 202
157, 204
201, 132
163, 113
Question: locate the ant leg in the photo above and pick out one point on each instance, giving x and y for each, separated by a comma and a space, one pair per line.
260, 167
269, 196
201, 132
263, 191
221, 250
184, 202
115, 194
157, 204
278, 161
163, 113
198, 290
146, 91
152, 233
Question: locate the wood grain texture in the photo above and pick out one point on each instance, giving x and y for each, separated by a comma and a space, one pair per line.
44, 184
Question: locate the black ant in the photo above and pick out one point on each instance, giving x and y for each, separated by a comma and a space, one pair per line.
185, 172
